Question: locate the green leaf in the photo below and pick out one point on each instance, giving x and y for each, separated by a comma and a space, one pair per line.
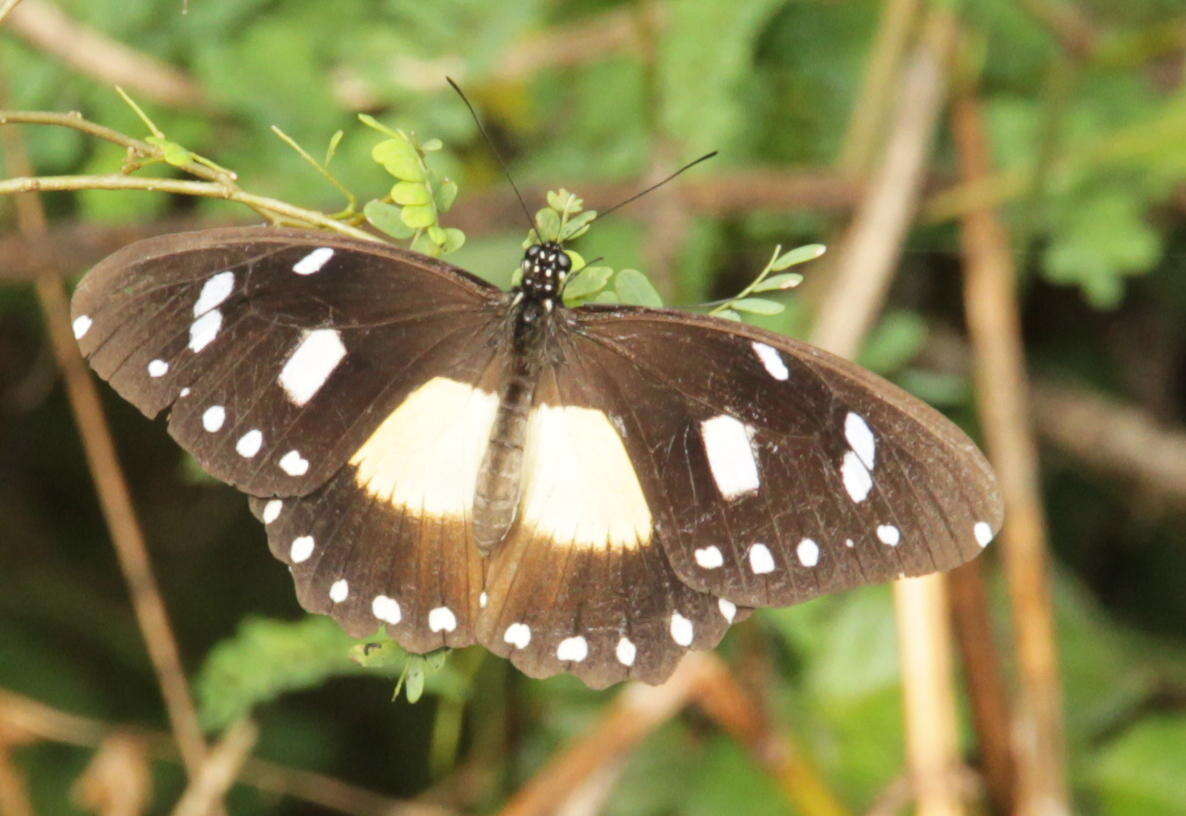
797, 256
562, 201
1140, 772
589, 280
372, 122
547, 223
414, 682
728, 314
266, 658
174, 153
422, 243
332, 150
606, 296
758, 306
446, 194
386, 218
379, 654
633, 287
454, 240
437, 235
432, 145
787, 280
410, 192
578, 260
399, 158
419, 216
578, 225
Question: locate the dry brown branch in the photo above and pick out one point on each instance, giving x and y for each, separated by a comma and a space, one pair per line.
1112, 438
114, 496
991, 303
701, 679
865, 126
118, 780
223, 764
985, 679
24, 716
862, 272
47, 28
6, 9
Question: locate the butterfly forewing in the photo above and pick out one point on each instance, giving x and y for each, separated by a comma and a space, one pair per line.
279, 350
781, 472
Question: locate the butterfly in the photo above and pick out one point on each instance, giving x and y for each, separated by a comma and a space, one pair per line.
592, 490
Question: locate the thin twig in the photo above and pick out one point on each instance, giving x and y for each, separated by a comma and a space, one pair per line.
35, 719
47, 28
205, 189
6, 9
873, 103
864, 267
1113, 438
223, 764
991, 303
114, 496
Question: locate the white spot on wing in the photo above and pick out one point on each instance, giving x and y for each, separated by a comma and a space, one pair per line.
386, 609
888, 534
214, 291
983, 533
339, 591
518, 635
250, 443
857, 480
312, 361
808, 552
772, 360
203, 330
158, 368
709, 557
574, 649
184, 392
730, 455
302, 548
272, 511
860, 439
213, 417
848, 543
442, 619
760, 559
483, 599
728, 609
579, 486
293, 464
626, 652
313, 261
681, 629
82, 325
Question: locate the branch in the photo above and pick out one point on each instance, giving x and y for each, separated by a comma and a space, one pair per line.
47, 28
1112, 437
991, 304
110, 484
6, 8
35, 719
858, 285
223, 764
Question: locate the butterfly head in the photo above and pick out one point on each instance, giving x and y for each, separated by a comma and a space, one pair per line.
545, 267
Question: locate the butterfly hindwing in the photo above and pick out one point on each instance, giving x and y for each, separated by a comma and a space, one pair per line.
278, 350
779, 472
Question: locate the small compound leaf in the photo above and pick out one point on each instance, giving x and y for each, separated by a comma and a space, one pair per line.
585, 283
386, 218
633, 287
577, 225
410, 192
419, 216
548, 224
797, 256
787, 280
399, 158
454, 240
446, 194
760, 306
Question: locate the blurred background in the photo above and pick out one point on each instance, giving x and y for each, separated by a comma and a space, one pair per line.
1002, 187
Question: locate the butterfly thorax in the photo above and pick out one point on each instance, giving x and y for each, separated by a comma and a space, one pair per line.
500, 478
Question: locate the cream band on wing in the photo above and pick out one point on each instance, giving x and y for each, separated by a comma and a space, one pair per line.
425, 456
579, 487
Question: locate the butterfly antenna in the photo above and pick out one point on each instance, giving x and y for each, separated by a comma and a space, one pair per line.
506, 170
657, 184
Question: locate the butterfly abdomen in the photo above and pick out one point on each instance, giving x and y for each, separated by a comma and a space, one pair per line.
500, 478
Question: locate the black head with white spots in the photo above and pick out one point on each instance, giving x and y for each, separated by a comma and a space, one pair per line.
545, 268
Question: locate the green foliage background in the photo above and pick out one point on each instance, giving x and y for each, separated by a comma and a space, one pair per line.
769, 83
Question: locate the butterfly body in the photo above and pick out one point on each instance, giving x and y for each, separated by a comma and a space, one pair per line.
592, 490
